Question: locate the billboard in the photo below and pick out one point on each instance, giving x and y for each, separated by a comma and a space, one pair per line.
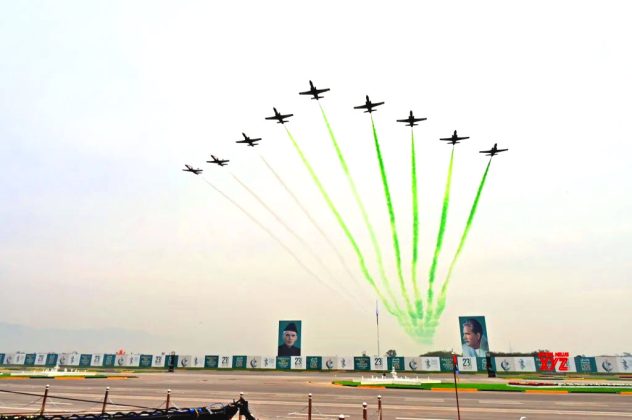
473, 336
289, 339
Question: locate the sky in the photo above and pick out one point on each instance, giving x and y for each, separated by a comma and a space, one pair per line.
102, 103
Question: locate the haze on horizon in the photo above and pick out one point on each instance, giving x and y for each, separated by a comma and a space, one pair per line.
102, 103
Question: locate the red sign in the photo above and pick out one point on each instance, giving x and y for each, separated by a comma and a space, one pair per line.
549, 361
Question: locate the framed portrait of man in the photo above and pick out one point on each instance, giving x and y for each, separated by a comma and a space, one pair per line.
473, 336
289, 339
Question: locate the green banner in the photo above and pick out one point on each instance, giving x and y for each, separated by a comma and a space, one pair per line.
445, 364
240, 362
85, 360
29, 359
109, 360
51, 359
211, 362
176, 359
283, 362
481, 364
1, 358
395, 362
362, 363
585, 364
145, 360
314, 363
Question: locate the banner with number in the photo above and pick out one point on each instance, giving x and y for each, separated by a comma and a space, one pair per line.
624, 364
378, 363
40, 359
467, 364
298, 362
225, 362
158, 361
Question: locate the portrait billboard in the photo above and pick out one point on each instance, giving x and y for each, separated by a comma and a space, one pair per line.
474, 340
289, 339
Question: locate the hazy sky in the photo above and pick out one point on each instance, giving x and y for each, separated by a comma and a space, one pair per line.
101, 104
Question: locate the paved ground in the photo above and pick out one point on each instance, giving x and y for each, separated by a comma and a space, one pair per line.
284, 396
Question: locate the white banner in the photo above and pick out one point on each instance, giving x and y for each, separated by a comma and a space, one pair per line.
40, 359
606, 364
467, 364
225, 362
120, 360
253, 362
330, 362
268, 362
96, 360
378, 363
624, 364
430, 364
14, 359
158, 361
185, 361
412, 364
524, 364
345, 363
69, 359
197, 361
505, 364
133, 360
297, 362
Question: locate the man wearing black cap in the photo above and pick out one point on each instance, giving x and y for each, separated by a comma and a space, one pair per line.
290, 335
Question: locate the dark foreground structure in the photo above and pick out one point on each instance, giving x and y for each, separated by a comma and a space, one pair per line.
213, 412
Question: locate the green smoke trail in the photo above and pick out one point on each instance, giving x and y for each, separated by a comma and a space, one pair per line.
418, 300
311, 219
362, 208
342, 224
444, 218
391, 213
269, 232
444, 288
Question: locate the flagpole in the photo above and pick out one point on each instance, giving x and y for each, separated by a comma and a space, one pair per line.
377, 323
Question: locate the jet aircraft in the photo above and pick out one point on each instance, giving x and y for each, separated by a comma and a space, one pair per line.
314, 92
493, 151
279, 117
454, 139
368, 105
411, 120
220, 162
250, 142
189, 168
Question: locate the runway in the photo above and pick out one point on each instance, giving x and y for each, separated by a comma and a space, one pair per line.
284, 395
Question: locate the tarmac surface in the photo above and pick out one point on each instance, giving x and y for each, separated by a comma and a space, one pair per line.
284, 395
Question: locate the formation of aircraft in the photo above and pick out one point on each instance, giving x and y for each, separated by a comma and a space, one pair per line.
247, 140
189, 168
493, 151
368, 105
279, 117
220, 162
411, 121
455, 139
313, 91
